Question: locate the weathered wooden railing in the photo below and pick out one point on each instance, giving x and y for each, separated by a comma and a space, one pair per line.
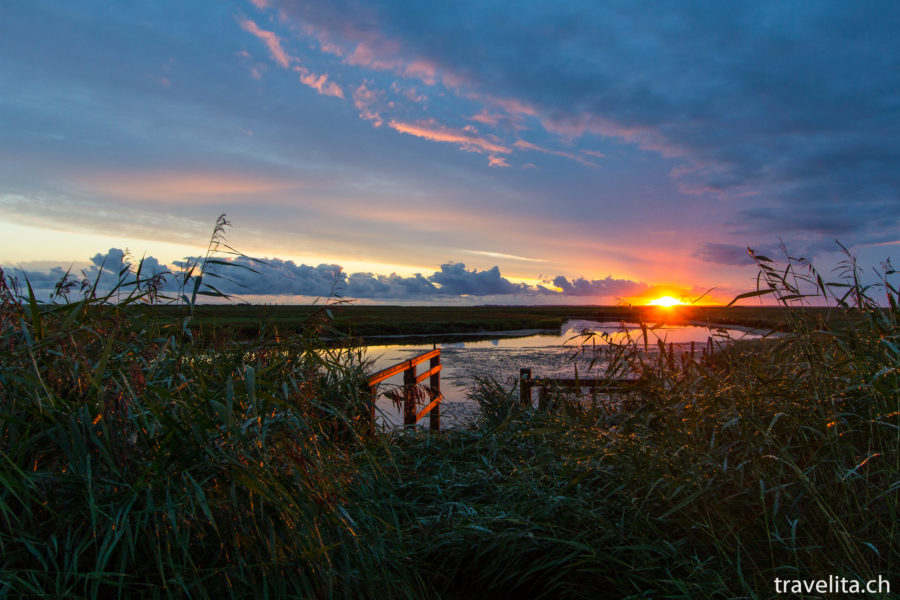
410, 380
544, 385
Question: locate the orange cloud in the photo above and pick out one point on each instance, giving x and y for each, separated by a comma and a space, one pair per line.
430, 130
320, 83
497, 161
270, 39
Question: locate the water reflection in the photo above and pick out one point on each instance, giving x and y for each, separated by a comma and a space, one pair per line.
548, 355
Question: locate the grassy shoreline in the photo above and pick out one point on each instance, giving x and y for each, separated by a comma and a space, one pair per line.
366, 322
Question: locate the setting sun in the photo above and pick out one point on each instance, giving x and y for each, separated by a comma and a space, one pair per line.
667, 301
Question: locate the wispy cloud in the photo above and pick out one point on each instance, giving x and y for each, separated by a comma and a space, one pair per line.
497, 161
410, 93
486, 117
174, 186
431, 130
319, 83
523, 145
365, 100
503, 255
270, 39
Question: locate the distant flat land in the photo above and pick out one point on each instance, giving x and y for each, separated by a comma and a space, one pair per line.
373, 321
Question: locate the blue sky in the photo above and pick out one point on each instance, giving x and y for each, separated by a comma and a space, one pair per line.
635, 146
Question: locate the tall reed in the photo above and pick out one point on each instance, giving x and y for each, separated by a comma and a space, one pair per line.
136, 460
772, 459
139, 458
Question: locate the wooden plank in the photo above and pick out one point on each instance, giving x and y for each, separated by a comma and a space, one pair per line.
423, 357
431, 405
389, 372
428, 373
400, 367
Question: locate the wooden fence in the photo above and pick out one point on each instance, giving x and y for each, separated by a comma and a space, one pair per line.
410, 380
544, 385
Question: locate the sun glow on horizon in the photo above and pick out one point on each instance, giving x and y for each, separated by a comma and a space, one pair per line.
666, 301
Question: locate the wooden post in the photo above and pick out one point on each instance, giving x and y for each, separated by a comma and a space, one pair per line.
434, 417
692, 351
525, 387
543, 397
409, 398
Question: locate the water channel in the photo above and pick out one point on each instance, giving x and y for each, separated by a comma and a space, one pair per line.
547, 354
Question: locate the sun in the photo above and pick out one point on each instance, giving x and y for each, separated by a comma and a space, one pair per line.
667, 301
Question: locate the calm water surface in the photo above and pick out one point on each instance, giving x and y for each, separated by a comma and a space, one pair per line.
548, 355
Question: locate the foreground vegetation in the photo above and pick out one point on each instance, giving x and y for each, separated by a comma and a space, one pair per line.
135, 461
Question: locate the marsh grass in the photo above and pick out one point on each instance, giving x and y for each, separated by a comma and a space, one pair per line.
773, 458
139, 461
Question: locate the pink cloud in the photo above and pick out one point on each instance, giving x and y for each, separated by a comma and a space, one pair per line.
497, 161
370, 50
365, 55
422, 69
260, 4
527, 146
177, 186
486, 117
409, 93
512, 106
319, 83
646, 138
431, 130
523, 145
270, 39
364, 99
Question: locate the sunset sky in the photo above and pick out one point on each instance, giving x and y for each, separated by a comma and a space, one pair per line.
600, 150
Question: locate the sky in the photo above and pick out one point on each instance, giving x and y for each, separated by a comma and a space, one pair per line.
468, 151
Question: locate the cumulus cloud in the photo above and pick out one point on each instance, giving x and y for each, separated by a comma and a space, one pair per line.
456, 280
243, 276
600, 287
106, 271
367, 285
